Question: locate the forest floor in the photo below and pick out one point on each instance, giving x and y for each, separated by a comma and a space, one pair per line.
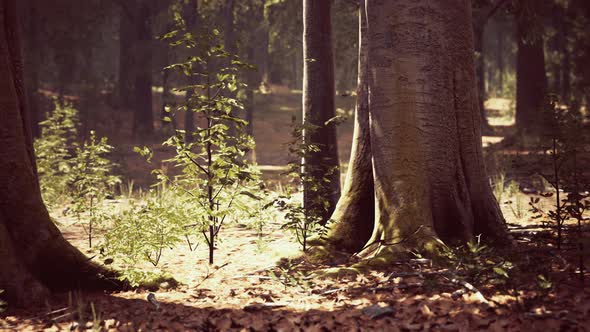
259, 282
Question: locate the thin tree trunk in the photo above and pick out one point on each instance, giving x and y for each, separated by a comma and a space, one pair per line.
500, 57
481, 77
127, 43
34, 257
249, 104
143, 118
191, 12
531, 80
319, 107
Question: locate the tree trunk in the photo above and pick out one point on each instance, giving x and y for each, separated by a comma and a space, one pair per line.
500, 58
481, 77
318, 107
357, 201
143, 118
249, 103
565, 63
127, 42
425, 140
34, 257
531, 81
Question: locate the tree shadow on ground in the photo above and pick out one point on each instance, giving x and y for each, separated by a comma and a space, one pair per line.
417, 302
407, 313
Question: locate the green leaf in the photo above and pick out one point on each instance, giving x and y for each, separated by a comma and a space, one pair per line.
501, 272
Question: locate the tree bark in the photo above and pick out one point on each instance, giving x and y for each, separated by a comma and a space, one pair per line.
424, 126
34, 257
531, 80
355, 212
318, 106
33, 62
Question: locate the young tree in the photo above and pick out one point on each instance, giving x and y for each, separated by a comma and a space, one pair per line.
318, 106
34, 257
425, 140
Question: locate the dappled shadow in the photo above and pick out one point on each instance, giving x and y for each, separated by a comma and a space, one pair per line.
407, 296
414, 313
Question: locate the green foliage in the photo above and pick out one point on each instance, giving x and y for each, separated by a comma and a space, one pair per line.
90, 179
212, 157
305, 221
288, 275
54, 151
564, 150
479, 264
141, 232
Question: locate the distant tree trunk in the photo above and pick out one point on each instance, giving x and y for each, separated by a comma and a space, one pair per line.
357, 201
249, 104
34, 257
261, 50
127, 44
229, 43
191, 12
318, 105
143, 118
500, 57
481, 77
425, 140
167, 98
531, 80
229, 40
565, 63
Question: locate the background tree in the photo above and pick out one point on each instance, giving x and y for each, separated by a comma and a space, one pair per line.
318, 107
531, 79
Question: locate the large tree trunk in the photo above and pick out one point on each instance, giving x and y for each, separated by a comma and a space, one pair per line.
319, 107
34, 257
354, 214
425, 140
531, 80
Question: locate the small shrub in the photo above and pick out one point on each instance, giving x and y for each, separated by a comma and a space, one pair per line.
90, 179
54, 151
141, 232
479, 264
305, 222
